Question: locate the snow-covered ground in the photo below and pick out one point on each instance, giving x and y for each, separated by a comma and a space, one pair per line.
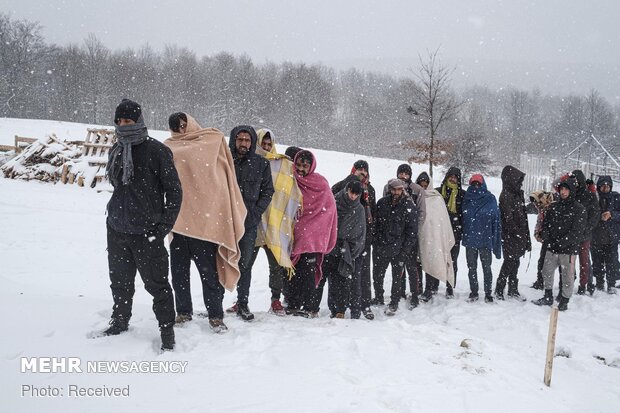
55, 291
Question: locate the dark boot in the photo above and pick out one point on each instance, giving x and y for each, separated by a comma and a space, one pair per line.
449, 292
590, 288
117, 326
167, 338
426, 296
513, 288
499, 288
546, 300
538, 284
581, 290
244, 312
563, 305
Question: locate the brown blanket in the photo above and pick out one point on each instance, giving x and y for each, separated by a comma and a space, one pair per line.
212, 208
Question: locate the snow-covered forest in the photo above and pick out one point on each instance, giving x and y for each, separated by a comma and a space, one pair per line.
306, 104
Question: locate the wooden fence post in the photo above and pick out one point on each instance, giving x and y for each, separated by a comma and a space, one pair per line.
553, 324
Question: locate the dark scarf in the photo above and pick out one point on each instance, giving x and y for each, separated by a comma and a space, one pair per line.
128, 136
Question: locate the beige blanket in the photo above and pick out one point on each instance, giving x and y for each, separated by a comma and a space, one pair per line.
212, 208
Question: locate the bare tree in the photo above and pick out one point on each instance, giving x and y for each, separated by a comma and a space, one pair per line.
432, 101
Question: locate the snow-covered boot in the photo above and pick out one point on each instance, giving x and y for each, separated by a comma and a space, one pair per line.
167, 337
563, 305
546, 300
117, 326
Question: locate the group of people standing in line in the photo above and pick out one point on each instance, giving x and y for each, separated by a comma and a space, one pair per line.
219, 203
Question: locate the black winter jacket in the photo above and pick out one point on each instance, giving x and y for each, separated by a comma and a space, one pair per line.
456, 219
515, 230
564, 222
368, 202
589, 202
396, 233
253, 176
150, 203
607, 232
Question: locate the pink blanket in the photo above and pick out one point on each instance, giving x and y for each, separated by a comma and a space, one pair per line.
317, 226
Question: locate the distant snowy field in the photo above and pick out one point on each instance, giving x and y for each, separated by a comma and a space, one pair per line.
55, 291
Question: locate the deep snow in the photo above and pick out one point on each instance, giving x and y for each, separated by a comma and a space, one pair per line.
56, 291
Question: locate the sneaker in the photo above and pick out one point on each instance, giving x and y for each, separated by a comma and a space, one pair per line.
515, 295
377, 301
472, 297
307, 314
167, 338
244, 312
499, 295
449, 292
217, 325
116, 327
368, 314
339, 315
413, 303
391, 310
232, 309
488, 298
276, 308
611, 290
183, 318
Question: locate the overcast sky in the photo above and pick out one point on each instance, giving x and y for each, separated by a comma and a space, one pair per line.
559, 46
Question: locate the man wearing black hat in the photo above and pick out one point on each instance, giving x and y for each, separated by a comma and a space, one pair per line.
142, 210
361, 280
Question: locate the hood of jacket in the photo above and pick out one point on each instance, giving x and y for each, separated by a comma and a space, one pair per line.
512, 179
604, 179
581, 181
423, 177
233, 137
456, 172
571, 184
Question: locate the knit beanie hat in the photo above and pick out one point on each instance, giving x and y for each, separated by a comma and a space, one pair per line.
404, 168
127, 109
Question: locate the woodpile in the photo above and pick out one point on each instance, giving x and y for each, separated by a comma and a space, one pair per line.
51, 160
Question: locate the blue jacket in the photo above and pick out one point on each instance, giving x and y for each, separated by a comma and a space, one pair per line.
482, 226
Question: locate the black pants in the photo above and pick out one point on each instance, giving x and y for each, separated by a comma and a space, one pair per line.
380, 266
357, 299
301, 285
246, 247
338, 292
277, 273
605, 264
509, 270
184, 250
432, 283
472, 264
411, 270
365, 281
128, 253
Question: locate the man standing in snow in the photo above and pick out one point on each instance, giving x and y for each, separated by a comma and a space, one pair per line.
362, 284
606, 236
396, 239
254, 178
481, 234
142, 210
315, 234
590, 203
563, 225
452, 192
515, 231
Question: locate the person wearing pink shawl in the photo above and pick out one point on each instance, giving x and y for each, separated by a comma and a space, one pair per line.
315, 233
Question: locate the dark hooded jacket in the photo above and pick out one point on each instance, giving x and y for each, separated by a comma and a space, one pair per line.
456, 219
515, 230
253, 176
607, 232
396, 232
481, 222
589, 202
423, 177
564, 222
368, 200
351, 232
